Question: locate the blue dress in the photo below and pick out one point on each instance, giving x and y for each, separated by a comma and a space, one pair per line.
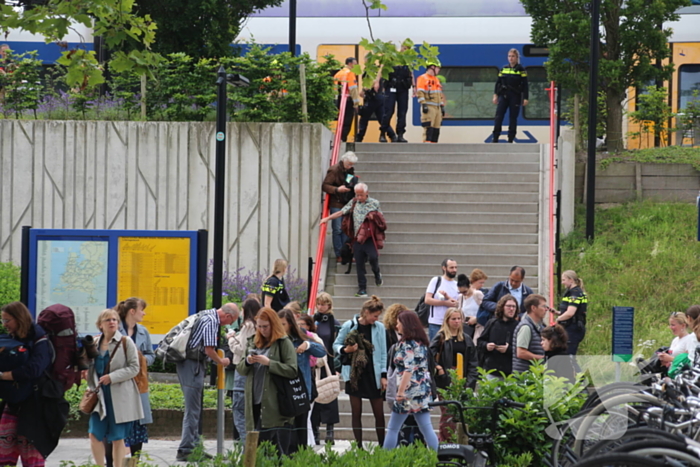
107, 428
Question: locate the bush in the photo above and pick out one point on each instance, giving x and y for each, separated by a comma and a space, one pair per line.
548, 400
9, 283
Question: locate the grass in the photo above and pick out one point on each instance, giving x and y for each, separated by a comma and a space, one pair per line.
646, 256
665, 155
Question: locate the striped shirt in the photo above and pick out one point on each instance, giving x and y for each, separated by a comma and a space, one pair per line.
206, 333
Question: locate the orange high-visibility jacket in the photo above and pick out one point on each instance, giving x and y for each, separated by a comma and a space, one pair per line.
429, 90
347, 76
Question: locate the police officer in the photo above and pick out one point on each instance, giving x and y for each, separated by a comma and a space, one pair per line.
430, 98
373, 104
396, 92
346, 75
511, 91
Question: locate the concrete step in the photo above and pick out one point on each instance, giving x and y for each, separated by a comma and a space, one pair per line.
450, 249
402, 236
443, 156
458, 187
464, 257
410, 280
382, 148
427, 216
464, 207
455, 226
434, 164
495, 272
470, 196
443, 178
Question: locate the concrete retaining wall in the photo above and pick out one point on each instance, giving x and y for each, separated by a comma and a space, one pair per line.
160, 175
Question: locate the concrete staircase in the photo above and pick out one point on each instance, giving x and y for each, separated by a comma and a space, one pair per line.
478, 204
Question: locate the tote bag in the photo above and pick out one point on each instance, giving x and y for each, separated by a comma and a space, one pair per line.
292, 396
328, 388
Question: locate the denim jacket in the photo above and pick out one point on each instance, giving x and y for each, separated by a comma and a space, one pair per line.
142, 339
303, 366
378, 355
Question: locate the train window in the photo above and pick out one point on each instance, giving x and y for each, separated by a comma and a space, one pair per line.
537, 107
468, 91
688, 83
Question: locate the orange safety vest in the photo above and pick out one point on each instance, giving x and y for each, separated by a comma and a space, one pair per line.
347, 76
429, 90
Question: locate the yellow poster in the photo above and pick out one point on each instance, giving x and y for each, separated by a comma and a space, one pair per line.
156, 269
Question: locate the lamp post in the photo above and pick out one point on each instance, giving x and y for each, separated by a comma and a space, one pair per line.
592, 119
293, 27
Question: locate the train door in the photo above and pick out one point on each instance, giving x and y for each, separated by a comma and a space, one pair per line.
686, 80
341, 52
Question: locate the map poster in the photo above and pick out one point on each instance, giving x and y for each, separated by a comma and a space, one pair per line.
73, 273
156, 269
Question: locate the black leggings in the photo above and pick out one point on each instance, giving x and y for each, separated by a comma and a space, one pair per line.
377, 410
134, 448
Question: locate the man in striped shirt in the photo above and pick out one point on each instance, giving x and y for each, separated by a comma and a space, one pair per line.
190, 372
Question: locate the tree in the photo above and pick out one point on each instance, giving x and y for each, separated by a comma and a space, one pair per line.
199, 28
632, 43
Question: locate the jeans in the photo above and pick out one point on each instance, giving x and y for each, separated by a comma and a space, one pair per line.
396, 422
191, 376
433, 330
339, 238
238, 406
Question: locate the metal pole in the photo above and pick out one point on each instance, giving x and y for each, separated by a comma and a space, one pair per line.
293, 27
221, 389
310, 279
24, 272
219, 189
592, 119
557, 243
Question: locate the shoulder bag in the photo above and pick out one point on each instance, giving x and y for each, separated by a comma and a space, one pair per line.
292, 396
90, 396
141, 377
329, 387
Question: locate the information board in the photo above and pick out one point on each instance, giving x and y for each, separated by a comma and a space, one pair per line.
623, 333
90, 270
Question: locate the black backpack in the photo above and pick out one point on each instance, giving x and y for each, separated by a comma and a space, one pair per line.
423, 309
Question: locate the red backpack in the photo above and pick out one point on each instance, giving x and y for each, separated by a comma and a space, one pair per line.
59, 323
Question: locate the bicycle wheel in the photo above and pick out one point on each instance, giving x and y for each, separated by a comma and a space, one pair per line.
611, 418
562, 453
612, 390
620, 460
661, 450
648, 435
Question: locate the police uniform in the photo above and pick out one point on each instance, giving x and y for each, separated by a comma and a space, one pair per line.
396, 92
347, 76
576, 325
511, 89
429, 92
373, 104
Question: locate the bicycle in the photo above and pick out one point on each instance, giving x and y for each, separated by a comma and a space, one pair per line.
472, 449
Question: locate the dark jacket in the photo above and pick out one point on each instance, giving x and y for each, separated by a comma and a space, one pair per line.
444, 356
512, 80
494, 295
499, 332
335, 177
374, 227
39, 355
562, 364
535, 346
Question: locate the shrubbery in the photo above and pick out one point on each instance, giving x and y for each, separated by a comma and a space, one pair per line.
9, 283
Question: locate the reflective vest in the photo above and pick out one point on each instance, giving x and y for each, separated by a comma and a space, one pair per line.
429, 90
347, 76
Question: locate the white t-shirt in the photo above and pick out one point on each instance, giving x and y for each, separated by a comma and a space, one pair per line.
685, 345
450, 287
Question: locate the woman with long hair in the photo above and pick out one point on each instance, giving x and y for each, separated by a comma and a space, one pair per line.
477, 279
683, 342
274, 293
693, 315
131, 313
556, 356
305, 348
268, 351
237, 342
327, 328
450, 341
361, 343
391, 318
15, 436
414, 391
496, 339
572, 310
119, 402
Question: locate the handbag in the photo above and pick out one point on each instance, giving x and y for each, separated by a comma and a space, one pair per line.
141, 377
328, 388
292, 396
90, 396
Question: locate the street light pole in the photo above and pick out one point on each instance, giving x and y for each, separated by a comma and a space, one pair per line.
219, 190
592, 119
293, 27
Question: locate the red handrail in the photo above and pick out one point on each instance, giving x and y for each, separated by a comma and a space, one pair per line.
323, 228
552, 140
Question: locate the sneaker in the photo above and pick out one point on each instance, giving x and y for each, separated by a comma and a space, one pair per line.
379, 281
182, 456
361, 293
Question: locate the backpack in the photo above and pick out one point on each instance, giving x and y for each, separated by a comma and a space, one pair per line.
58, 321
423, 309
174, 347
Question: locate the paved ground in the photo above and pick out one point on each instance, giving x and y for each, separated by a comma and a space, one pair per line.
161, 451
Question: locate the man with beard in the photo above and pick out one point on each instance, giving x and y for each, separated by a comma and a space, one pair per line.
442, 293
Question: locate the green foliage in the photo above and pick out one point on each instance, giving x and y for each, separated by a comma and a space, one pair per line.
630, 45
548, 400
645, 256
665, 155
199, 28
582, 130
652, 114
383, 56
21, 84
9, 283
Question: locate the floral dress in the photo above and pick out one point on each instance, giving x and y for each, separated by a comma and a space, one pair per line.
413, 356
